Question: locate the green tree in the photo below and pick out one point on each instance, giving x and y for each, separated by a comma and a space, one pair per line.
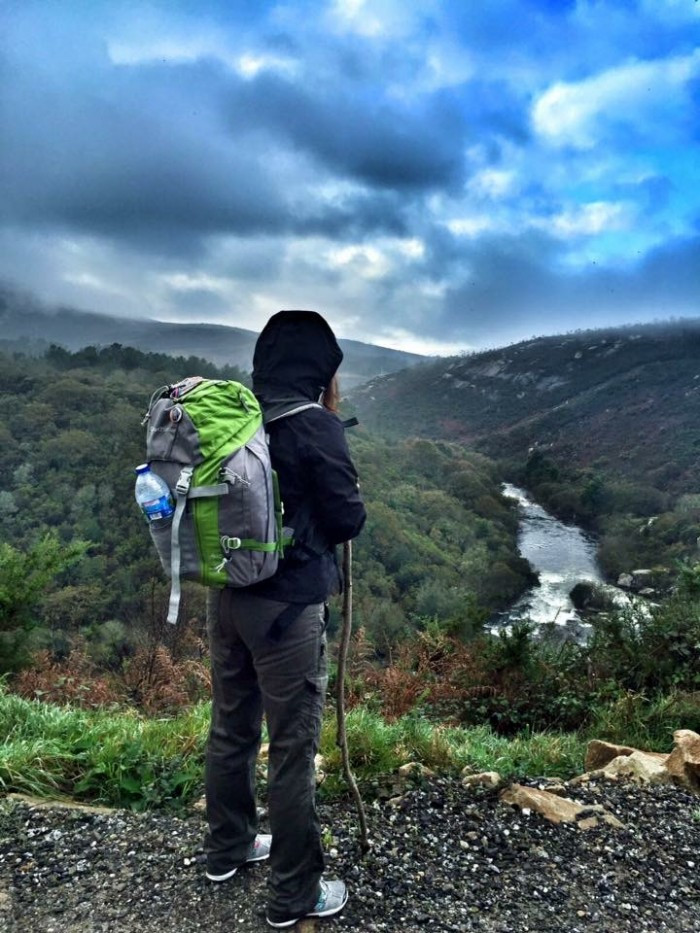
24, 577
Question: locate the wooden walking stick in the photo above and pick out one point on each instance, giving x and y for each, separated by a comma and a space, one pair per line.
342, 739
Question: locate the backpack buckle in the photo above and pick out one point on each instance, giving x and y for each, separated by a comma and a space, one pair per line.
184, 481
230, 544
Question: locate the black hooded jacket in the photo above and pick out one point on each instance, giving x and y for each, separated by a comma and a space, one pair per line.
296, 356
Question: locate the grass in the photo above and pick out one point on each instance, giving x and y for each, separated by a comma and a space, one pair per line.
378, 747
115, 758
125, 759
645, 721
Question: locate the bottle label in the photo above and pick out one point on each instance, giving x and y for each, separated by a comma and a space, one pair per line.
156, 509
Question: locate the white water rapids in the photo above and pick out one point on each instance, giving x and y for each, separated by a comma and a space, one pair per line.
562, 555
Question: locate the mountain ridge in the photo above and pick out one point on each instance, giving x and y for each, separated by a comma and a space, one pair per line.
593, 398
23, 318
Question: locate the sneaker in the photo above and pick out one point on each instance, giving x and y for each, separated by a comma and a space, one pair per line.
332, 898
259, 852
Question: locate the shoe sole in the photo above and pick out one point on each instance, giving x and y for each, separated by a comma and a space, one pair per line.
224, 877
230, 874
280, 925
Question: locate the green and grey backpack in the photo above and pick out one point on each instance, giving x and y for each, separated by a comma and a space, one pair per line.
206, 439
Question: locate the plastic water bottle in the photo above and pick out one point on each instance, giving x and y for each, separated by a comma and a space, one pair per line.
152, 494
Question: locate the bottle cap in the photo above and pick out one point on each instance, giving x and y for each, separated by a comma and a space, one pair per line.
142, 468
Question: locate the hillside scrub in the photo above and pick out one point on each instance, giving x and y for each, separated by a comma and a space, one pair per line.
635, 681
599, 426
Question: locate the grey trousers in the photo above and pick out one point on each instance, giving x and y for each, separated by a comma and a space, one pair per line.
287, 679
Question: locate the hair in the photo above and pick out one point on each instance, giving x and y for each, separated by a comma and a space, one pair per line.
331, 395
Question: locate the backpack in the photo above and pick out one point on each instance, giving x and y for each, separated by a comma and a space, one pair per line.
207, 440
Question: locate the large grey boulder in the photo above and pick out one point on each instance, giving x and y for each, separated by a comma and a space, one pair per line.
595, 597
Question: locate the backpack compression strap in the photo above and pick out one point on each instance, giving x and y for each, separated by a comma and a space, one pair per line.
183, 493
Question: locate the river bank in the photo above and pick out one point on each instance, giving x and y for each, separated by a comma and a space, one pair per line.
447, 858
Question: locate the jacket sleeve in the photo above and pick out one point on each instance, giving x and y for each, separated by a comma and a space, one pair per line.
338, 510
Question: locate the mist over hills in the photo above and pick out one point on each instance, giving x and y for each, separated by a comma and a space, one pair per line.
28, 325
624, 400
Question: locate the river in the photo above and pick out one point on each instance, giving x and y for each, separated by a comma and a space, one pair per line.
562, 555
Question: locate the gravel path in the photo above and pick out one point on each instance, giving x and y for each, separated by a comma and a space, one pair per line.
446, 859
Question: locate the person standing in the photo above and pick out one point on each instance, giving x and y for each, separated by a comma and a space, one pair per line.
268, 644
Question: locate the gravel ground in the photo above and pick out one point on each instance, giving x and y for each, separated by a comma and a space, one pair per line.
447, 859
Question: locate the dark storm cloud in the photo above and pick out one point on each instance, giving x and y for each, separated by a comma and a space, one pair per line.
140, 155
119, 159
378, 142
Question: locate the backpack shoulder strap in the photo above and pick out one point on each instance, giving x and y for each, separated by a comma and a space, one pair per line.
292, 411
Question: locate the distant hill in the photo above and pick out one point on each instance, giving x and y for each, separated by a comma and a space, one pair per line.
28, 325
625, 401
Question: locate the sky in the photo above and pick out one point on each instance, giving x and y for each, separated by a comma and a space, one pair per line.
432, 175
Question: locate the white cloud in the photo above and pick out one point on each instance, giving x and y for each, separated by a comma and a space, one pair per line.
571, 114
353, 16
87, 280
172, 49
471, 226
375, 260
587, 219
366, 261
397, 338
376, 19
185, 50
492, 183
249, 65
182, 282
411, 249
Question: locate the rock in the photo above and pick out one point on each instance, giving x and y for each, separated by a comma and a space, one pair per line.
588, 822
599, 753
643, 767
201, 805
589, 776
43, 803
319, 762
396, 802
625, 581
414, 769
596, 597
683, 764
307, 925
482, 779
557, 809
641, 578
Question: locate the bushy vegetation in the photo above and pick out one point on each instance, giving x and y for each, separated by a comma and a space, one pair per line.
636, 680
512, 704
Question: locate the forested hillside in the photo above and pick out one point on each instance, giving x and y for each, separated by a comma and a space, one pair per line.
602, 426
439, 543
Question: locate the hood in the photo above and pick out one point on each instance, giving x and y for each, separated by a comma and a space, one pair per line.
295, 358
